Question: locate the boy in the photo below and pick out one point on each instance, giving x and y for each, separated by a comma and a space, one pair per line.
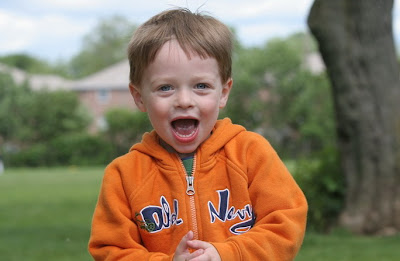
195, 188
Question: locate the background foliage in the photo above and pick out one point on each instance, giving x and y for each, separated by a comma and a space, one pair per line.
125, 126
105, 45
274, 94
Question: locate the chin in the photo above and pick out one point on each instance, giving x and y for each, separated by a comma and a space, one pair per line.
187, 150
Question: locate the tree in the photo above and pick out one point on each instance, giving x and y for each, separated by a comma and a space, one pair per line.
50, 114
278, 58
276, 95
34, 65
104, 46
125, 127
26, 63
30, 122
356, 42
13, 100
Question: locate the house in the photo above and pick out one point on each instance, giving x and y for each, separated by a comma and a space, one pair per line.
99, 92
106, 89
35, 81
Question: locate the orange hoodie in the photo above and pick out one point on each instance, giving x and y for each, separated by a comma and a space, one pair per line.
245, 202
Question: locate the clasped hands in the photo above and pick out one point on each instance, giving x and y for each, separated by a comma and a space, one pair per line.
203, 251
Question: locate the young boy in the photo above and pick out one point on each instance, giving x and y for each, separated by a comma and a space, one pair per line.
195, 188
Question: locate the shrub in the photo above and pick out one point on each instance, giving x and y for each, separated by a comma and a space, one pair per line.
322, 181
124, 128
69, 149
33, 156
80, 149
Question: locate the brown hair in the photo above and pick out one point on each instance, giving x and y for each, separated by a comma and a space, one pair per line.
195, 32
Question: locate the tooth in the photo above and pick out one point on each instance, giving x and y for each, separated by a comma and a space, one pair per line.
186, 136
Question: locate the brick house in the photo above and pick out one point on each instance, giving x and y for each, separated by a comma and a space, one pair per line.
104, 90
98, 92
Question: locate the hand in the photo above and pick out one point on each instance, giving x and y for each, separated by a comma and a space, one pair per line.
209, 253
182, 252
203, 251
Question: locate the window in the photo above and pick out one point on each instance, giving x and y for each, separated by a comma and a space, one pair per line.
103, 96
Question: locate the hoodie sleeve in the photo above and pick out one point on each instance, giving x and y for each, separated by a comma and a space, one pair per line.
278, 203
114, 235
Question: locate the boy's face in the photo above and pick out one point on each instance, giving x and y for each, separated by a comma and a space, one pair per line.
182, 96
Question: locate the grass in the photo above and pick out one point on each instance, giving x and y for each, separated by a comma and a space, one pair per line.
45, 214
342, 246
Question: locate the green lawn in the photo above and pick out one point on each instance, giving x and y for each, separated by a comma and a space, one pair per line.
45, 214
341, 246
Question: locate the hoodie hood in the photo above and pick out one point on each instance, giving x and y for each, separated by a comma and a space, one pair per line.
222, 133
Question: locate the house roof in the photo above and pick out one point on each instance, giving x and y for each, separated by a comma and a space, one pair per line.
36, 81
114, 77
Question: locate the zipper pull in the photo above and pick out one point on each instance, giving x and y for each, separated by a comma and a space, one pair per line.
190, 188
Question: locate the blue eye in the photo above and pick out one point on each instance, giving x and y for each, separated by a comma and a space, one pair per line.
201, 86
165, 88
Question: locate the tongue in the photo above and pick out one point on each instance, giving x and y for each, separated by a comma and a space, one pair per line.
184, 127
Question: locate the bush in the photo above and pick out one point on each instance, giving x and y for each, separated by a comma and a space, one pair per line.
124, 128
33, 156
322, 181
80, 149
70, 149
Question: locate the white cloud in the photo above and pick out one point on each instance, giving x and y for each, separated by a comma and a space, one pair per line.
232, 10
63, 26
256, 34
104, 6
43, 34
16, 32
55, 28
256, 21
67, 5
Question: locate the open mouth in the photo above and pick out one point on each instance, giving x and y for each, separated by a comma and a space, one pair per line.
185, 128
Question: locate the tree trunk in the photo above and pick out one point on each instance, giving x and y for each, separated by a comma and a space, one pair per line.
356, 42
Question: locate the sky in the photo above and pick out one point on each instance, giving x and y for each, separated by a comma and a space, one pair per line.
54, 29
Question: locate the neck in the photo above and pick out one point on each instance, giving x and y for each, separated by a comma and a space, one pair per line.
170, 149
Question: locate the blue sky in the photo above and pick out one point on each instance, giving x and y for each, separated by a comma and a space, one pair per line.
53, 29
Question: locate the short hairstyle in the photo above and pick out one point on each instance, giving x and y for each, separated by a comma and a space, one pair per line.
195, 32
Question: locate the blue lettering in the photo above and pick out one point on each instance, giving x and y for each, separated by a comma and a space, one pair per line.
223, 206
161, 217
223, 214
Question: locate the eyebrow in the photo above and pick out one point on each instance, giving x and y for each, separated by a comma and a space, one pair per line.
196, 77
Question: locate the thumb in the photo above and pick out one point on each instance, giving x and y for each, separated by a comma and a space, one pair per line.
183, 246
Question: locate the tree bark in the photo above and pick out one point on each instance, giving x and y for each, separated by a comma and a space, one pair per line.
356, 42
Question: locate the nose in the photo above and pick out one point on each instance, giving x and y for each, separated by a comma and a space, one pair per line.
184, 98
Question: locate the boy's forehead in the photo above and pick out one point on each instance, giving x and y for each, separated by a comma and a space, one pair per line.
172, 50
171, 61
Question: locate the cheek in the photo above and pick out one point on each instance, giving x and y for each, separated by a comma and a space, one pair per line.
211, 105
155, 109
210, 112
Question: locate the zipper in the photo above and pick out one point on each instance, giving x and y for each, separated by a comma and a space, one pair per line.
190, 188
190, 192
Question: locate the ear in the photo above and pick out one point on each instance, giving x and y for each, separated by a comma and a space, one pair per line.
226, 89
137, 97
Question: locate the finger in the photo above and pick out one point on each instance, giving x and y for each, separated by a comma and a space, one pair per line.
198, 244
183, 246
195, 254
202, 257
